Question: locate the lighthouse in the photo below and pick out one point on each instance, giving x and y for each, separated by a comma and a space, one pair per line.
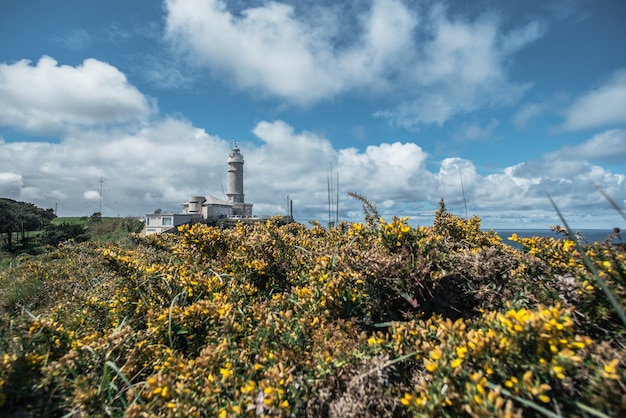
235, 183
235, 175
211, 207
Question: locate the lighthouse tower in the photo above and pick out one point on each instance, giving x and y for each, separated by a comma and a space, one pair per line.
235, 183
235, 175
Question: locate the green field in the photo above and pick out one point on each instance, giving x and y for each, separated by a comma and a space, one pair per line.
73, 220
106, 229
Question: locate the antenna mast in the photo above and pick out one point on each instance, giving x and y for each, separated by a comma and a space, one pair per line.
101, 181
329, 210
337, 200
462, 188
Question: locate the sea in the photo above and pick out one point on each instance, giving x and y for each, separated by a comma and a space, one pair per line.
586, 235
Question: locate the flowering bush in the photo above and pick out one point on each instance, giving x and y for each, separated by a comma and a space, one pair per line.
376, 318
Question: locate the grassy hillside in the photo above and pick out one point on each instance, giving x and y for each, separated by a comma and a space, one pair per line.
104, 229
83, 220
365, 319
116, 230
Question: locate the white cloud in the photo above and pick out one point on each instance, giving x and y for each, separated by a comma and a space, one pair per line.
456, 180
91, 195
520, 37
141, 168
263, 48
10, 184
526, 113
50, 98
397, 178
608, 146
76, 40
601, 107
476, 132
299, 165
145, 168
459, 49
463, 67
391, 171
570, 178
164, 73
438, 65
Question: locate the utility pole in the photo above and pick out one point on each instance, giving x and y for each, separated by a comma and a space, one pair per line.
337, 200
101, 181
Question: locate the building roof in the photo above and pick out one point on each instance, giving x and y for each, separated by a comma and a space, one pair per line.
162, 214
212, 200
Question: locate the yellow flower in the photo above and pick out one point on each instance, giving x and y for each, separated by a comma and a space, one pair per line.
406, 399
481, 389
511, 382
610, 370
558, 371
527, 376
430, 366
374, 341
460, 351
249, 387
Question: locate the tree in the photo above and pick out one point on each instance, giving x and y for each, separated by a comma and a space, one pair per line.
18, 218
54, 234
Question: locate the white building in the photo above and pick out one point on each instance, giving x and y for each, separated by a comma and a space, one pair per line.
158, 222
200, 208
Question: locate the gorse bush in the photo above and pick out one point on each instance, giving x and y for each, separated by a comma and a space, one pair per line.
363, 319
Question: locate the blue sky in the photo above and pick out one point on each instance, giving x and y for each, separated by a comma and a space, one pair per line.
409, 102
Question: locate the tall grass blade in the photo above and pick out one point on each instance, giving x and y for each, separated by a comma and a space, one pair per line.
525, 402
591, 411
612, 202
616, 305
109, 364
388, 363
169, 319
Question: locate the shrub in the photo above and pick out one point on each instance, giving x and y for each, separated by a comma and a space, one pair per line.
375, 318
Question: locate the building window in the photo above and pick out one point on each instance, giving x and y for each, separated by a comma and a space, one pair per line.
167, 221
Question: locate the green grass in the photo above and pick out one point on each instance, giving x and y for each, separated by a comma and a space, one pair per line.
72, 220
108, 229
113, 229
